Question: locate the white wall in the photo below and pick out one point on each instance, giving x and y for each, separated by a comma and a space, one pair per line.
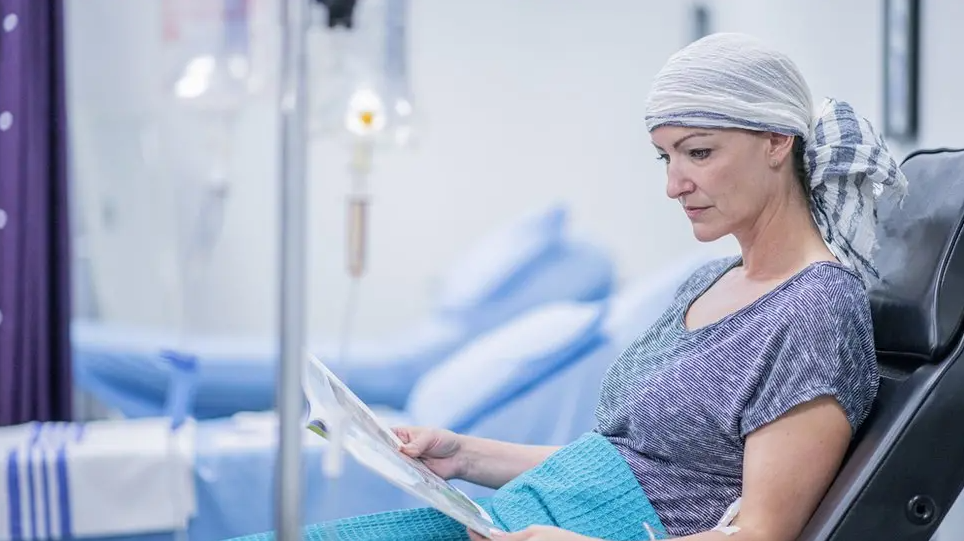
836, 45
942, 120
525, 102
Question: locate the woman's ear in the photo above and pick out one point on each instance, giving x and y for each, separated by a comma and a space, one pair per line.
781, 148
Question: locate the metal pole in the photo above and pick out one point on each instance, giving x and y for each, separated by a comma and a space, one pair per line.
289, 398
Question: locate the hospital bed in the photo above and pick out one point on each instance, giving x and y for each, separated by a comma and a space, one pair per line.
504, 384
529, 262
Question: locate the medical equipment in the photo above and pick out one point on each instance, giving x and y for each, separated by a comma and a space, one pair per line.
209, 46
402, 113
211, 74
294, 134
211, 70
363, 117
360, 94
358, 53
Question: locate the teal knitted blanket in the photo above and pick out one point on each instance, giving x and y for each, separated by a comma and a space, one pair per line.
585, 487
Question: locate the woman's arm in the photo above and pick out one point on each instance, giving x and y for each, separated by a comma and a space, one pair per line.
492, 463
787, 468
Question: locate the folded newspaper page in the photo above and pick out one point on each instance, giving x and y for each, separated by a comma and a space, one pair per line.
376, 447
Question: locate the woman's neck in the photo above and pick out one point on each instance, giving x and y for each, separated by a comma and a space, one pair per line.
782, 241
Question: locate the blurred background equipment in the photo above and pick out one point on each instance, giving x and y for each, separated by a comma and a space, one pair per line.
210, 75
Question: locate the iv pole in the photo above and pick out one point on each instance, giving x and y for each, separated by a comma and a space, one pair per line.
295, 21
294, 135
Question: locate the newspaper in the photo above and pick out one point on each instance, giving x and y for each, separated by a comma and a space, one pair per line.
376, 446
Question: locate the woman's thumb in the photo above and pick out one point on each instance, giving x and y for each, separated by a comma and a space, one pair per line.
418, 443
402, 433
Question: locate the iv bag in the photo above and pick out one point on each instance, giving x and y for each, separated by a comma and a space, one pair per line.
216, 60
359, 85
215, 54
401, 109
210, 53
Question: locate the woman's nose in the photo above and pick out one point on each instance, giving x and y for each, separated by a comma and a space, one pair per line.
677, 183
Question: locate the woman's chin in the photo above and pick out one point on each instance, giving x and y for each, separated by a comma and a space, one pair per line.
705, 233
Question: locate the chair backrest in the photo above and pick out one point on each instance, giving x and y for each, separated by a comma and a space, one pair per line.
906, 467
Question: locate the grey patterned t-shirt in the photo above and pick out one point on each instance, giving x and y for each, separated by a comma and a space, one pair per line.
678, 404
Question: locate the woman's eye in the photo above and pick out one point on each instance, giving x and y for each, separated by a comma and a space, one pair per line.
700, 153
663, 158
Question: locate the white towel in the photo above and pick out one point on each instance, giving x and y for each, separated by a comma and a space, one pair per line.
98, 479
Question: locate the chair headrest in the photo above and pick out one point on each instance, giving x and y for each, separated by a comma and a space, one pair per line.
918, 303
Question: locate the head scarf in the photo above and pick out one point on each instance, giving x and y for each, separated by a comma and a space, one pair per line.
731, 80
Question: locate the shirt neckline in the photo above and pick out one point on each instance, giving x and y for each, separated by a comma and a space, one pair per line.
738, 260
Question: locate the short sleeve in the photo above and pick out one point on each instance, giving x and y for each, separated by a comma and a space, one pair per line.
824, 348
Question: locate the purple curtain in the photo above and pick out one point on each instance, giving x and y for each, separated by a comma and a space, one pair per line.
35, 378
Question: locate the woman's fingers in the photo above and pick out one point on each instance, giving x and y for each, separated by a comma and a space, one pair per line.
414, 441
403, 433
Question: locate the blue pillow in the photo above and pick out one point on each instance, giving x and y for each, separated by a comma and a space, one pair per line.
490, 266
529, 347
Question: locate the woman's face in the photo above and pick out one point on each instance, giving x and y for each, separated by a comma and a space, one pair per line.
723, 179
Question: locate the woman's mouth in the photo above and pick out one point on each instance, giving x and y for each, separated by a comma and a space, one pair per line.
694, 212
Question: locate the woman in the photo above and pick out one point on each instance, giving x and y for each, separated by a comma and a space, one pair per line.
744, 396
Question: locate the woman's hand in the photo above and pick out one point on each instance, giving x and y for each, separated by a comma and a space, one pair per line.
480, 461
440, 450
534, 533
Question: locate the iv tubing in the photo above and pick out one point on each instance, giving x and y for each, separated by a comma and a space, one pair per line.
289, 397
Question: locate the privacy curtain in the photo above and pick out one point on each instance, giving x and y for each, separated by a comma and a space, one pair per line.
35, 378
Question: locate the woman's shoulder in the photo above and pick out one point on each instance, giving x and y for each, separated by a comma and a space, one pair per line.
825, 309
829, 289
827, 346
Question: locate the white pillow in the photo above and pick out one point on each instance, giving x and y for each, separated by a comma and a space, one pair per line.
476, 373
495, 260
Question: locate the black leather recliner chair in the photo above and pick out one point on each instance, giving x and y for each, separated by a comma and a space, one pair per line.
906, 467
